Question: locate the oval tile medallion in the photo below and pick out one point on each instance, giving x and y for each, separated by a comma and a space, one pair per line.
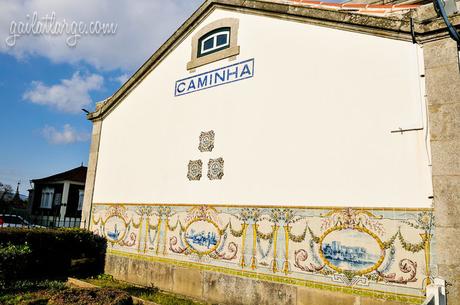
202, 236
115, 228
355, 250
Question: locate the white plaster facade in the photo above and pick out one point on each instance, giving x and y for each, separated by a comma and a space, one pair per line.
311, 128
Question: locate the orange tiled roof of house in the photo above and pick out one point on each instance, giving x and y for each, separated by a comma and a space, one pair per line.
373, 9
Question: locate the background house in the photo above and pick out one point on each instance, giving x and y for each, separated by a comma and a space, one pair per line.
57, 200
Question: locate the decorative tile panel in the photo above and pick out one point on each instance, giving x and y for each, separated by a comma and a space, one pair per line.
383, 253
194, 170
215, 169
206, 141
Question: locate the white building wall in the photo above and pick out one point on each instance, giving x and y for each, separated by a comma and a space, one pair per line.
311, 128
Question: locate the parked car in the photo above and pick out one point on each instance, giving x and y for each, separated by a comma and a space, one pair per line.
15, 221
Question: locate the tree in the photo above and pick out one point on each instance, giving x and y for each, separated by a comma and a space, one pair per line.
5, 190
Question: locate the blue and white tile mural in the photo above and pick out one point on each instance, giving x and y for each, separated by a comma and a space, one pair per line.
383, 251
348, 249
202, 236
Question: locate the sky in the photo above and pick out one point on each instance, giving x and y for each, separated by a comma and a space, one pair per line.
51, 68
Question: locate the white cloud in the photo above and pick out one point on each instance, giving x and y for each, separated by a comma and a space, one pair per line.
122, 78
142, 28
67, 135
70, 95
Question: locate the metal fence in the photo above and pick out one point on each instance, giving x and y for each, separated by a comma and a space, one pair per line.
56, 222
39, 221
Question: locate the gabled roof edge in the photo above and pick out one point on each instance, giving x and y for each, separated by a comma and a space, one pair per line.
149, 64
77, 174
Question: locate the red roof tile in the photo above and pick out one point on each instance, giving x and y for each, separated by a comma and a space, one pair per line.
360, 7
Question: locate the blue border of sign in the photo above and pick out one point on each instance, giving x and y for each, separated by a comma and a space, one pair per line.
235, 64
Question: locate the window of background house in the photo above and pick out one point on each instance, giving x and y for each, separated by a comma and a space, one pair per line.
57, 199
81, 193
214, 41
47, 198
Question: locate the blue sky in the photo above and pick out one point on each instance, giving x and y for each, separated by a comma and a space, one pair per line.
44, 82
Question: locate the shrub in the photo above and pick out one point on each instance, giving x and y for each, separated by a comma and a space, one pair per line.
12, 258
54, 253
103, 296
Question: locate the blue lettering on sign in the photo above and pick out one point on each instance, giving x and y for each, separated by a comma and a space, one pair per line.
217, 77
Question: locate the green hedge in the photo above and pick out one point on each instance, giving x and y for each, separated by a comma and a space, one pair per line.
49, 253
12, 258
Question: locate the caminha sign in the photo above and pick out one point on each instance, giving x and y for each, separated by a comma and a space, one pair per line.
217, 77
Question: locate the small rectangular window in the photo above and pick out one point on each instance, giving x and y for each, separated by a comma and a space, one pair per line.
222, 39
208, 44
47, 198
57, 199
81, 194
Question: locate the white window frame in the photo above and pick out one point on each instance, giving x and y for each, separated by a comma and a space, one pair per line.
232, 50
47, 198
214, 39
81, 196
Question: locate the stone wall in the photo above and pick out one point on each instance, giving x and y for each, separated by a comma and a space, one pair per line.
91, 174
443, 95
218, 288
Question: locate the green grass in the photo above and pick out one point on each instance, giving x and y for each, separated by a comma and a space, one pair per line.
33, 298
29, 292
39, 292
146, 293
